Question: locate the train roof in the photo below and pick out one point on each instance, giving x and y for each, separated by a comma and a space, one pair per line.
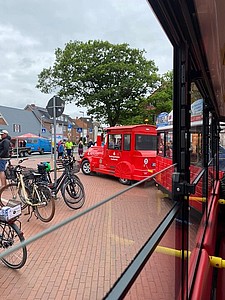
129, 127
201, 23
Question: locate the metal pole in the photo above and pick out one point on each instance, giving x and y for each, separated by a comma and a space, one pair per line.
41, 127
82, 126
54, 119
51, 141
17, 149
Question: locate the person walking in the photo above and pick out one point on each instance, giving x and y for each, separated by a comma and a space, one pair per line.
69, 147
60, 150
90, 143
4, 154
80, 148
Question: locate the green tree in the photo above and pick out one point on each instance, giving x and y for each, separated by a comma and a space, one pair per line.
111, 81
161, 100
195, 94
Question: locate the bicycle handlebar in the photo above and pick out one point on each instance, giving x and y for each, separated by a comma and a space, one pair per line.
18, 166
22, 160
67, 160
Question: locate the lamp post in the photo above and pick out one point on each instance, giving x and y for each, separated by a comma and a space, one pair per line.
82, 112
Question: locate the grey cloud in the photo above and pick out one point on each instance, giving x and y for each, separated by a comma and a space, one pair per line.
30, 31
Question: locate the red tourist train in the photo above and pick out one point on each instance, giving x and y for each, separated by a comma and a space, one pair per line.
164, 125
127, 152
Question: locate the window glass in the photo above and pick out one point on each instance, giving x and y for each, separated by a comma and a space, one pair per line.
114, 141
126, 142
196, 148
32, 141
145, 142
169, 144
160, 148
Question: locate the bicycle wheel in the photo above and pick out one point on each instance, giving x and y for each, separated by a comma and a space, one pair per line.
13, 192
73, 193
10, 236
45, 208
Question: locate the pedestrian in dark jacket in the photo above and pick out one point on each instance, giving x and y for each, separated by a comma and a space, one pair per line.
80, 148
90, 143
4, 154
61, 149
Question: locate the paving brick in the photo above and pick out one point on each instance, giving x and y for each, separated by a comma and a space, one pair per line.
83, 259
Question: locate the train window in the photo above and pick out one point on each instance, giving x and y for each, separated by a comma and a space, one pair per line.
145, 142
126, 142
115, 141
169, 149
169, 144
160, 148
196, 148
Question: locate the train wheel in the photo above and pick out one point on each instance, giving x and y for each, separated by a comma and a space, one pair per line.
125, 181
85, 167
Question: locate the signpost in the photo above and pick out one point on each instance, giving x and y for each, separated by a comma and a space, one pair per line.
55, 108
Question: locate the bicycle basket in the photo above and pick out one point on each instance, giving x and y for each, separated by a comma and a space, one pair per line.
41, 168
10, 172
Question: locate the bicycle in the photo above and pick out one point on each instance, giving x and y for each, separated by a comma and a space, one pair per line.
11, 235
69, 184
30, 192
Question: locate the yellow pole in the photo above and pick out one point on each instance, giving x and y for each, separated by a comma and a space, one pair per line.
216, 262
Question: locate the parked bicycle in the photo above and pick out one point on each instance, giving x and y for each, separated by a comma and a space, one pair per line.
11, 235
67, 183
30, 192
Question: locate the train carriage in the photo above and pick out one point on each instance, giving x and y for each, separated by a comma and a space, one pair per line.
127, 152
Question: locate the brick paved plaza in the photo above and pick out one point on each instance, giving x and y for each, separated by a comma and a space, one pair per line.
83, 259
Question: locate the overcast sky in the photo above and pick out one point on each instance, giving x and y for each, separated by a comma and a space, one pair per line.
31, 30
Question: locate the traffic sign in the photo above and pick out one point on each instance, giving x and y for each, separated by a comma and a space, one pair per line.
59, 106
79, 130
69, 126
43, 130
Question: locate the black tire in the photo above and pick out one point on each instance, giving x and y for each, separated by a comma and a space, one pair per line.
45, 208
73, 193
125, 181
85, 167
11, 236
13, 191
76, 178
